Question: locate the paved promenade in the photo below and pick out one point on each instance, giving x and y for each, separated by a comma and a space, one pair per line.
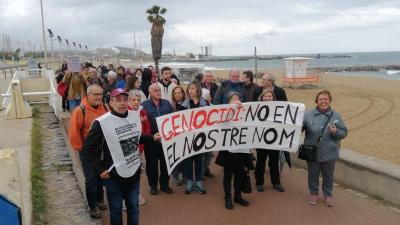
269, 207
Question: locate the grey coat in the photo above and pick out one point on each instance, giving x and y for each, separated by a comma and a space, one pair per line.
328, 147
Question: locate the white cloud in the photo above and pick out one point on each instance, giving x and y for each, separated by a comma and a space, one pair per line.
275, 26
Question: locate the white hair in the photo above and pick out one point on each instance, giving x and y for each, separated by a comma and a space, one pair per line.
90, 88
136, 93
112, 74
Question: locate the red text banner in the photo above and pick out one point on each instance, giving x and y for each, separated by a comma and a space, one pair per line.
237, 128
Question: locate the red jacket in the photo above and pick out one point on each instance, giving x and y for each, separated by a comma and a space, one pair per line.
146, 130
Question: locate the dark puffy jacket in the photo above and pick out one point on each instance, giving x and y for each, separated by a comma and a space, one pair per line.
221, 97
153, 112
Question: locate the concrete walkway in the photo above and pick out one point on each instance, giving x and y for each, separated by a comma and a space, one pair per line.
269, 207
16, 134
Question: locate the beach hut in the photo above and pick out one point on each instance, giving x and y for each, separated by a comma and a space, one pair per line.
297, 73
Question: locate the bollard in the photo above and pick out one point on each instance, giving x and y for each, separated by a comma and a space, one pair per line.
17, 108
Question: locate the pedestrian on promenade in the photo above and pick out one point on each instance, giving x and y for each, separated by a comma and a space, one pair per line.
156, 168
234, 165
178, 97
193, 101
165, 84
209, 84
249, 85
228, 86
102, 149
76, 88
134, 83
82, 117
146, 81
122, 83
134, 101
327, 140
262, 154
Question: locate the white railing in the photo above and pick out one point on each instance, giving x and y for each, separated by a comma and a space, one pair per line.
35, 75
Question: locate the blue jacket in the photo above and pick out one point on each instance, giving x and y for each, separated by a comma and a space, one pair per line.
153, 112
121, 84
328, 147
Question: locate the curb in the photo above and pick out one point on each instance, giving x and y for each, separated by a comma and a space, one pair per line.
368, 174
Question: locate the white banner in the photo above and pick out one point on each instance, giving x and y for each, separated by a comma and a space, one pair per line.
122, 136
236, 128
74, 63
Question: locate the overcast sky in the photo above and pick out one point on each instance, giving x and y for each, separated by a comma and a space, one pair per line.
233, 27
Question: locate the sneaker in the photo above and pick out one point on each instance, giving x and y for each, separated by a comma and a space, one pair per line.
95, 213
260, 188
279, 188
141, 200
329, 201
189, 187
167, 190
199, 187
103, 205
313, 199
176, 181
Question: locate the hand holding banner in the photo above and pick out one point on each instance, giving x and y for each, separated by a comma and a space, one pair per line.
236, 128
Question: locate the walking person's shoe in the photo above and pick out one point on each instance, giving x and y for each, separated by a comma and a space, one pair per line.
329, 201
200, 187
141, 200
189, 187
260, 188
95, 213
313, 199
238, 199
103, 205
228, 203
153, 191
279, 187
167, 190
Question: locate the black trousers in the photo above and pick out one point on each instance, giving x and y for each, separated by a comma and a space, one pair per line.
237, 174
273, 164
154, 158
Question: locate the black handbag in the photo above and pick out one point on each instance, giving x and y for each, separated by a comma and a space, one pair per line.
246, 185
309, 152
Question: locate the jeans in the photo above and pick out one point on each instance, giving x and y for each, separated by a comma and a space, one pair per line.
93, 184
327, 169
198, 161
73, 104
273, 164
118, 191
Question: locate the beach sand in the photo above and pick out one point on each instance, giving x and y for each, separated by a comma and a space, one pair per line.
369, 106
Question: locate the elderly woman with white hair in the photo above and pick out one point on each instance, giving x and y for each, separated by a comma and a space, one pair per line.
110, 85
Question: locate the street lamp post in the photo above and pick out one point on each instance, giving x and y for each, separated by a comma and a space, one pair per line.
44, 35
51, 35
59, 41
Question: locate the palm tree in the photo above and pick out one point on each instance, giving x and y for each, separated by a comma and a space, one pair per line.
157, 31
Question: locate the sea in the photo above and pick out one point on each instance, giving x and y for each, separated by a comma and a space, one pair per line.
325, 60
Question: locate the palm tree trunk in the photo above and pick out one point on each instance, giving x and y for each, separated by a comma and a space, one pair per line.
156, 67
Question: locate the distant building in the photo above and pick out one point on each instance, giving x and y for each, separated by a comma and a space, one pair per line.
127, 51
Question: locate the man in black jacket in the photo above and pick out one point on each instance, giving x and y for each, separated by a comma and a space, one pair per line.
111, 136
249, 85
209, 84
268, 82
